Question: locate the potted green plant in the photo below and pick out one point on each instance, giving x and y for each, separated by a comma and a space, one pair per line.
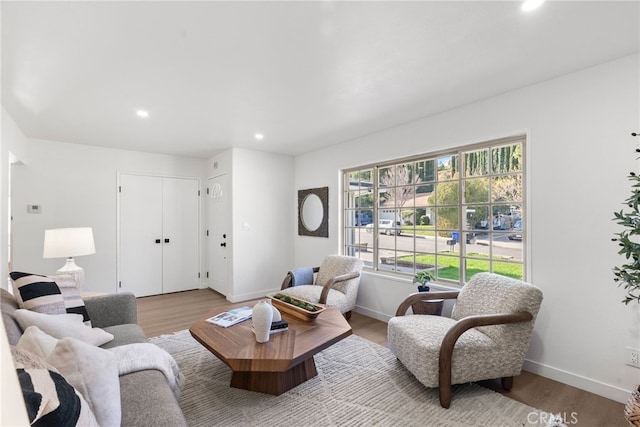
434, 306
422, 278
628, 274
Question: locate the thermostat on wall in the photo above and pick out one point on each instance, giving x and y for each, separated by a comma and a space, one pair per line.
34, 209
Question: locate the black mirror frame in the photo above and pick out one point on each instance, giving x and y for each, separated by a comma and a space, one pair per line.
323, 195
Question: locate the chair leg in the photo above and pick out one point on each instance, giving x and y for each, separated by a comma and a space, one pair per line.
445, 396
444, 375
444, 384
347, 315
507, 383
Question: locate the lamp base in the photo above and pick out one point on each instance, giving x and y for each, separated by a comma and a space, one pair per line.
72, 269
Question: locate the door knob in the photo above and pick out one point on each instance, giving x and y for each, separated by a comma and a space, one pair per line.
224, 245
157, 240
166, 240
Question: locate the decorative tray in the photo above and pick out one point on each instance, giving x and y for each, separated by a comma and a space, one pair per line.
296, 307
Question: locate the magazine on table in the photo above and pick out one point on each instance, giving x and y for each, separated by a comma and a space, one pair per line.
231, 317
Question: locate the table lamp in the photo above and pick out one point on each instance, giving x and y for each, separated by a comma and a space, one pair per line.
67, 243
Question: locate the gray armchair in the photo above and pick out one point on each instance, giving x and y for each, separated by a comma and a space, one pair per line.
487, 336
336, 284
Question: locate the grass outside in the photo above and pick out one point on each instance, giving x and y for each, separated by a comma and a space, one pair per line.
420, 230
450, 268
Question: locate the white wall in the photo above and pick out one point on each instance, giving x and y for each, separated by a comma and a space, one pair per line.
11, 141
76, 186
13, 148
261, 243
578, 153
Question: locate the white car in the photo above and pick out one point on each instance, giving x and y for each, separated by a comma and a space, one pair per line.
385, 226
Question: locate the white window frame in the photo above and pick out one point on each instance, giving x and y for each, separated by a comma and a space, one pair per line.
354, 243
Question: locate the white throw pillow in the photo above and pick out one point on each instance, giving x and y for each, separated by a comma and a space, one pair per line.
62, 326
37, 342
93, 371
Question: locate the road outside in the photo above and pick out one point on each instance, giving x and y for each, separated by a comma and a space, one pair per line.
390, 246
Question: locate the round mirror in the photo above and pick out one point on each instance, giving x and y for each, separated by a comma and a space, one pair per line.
312, 212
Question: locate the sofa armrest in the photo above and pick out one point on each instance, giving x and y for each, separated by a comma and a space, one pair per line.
112, 309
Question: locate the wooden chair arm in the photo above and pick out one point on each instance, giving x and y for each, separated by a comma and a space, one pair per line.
452, 335
423, 296
286, 283
333, 281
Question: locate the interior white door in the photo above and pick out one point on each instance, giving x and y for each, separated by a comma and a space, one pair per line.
218, 233
140, 269
180, 224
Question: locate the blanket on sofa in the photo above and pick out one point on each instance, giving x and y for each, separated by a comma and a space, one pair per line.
142, 356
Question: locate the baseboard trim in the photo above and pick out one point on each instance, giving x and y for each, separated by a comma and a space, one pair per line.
583, 383
250, 296
372, 313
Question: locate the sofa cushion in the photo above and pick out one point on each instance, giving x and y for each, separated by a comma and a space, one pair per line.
142, 408
62, 325
125, 334
49, 398
37, 293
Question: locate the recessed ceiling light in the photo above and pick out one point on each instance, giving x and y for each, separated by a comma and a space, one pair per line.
529, 5
142, 113
259, 136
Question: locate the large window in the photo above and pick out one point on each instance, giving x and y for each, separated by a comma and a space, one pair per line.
454, 213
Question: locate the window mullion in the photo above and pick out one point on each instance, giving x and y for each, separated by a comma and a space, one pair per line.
462, 217
376, 201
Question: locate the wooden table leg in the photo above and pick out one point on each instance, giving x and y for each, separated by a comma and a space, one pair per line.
275, 383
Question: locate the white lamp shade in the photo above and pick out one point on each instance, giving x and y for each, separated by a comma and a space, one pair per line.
68, 242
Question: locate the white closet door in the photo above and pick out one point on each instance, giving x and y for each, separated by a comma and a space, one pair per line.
140, 235
180, 225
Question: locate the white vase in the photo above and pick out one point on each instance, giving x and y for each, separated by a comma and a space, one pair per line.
276, 313
262, 317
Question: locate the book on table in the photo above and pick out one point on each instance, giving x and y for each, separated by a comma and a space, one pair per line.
277, 326
231, 317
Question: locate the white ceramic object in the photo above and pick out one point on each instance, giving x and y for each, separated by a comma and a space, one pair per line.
262, 317
276, 313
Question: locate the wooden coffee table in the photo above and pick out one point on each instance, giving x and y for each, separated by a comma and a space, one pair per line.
278, 365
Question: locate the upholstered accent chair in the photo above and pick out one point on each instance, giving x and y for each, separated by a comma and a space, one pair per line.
336, 284
486, 337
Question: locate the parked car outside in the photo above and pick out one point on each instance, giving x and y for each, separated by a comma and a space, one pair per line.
516, 231
385, 226
363, 218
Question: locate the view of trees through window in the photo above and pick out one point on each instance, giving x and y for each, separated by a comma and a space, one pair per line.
454, 214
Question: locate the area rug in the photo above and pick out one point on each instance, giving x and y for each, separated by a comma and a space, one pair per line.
359, 383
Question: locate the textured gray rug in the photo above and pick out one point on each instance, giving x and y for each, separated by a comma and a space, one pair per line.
359, 383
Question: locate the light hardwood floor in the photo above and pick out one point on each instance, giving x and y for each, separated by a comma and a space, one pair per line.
165, 314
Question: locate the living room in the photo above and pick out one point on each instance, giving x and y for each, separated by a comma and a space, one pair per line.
579, 149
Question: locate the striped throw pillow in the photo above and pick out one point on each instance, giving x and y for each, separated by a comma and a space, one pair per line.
73, 302
49, 399
49, 294
37, 293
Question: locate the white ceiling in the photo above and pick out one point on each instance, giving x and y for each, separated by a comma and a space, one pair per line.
305, 74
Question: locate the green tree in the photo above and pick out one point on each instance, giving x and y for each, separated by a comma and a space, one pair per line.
507, 188
476, 163
447, 193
